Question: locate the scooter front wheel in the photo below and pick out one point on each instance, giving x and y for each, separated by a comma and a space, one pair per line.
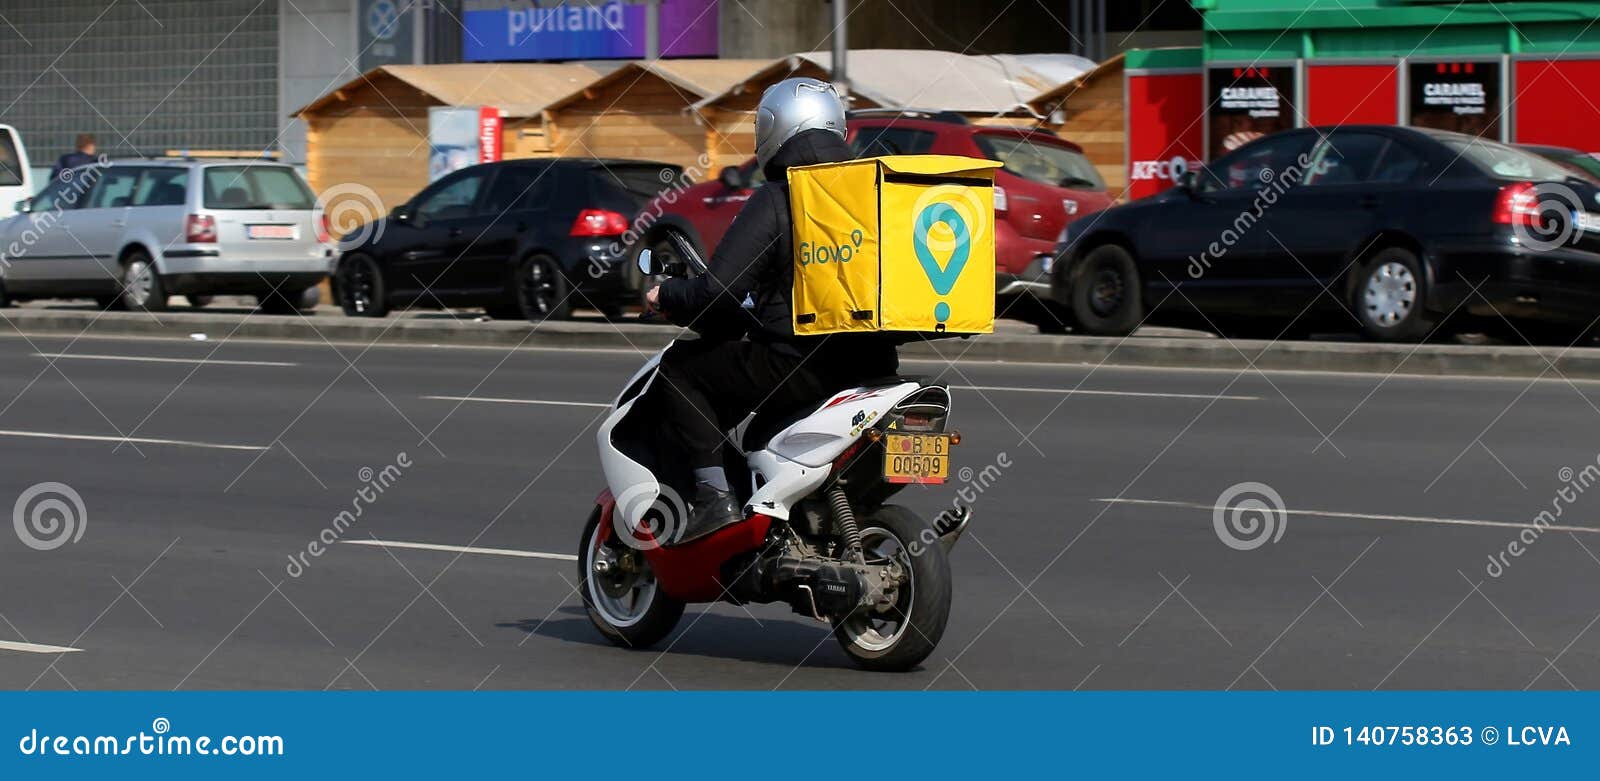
898, 635
620, 591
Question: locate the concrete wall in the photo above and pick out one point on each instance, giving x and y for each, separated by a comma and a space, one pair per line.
316, 43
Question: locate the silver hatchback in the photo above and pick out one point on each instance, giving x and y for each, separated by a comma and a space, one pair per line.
136, 232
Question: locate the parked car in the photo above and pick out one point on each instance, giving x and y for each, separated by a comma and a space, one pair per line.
132, 233
16, 178
1583, 161
1398, 227
1046, 182
521, 238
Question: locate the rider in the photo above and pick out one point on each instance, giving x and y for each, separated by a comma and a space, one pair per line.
713, 385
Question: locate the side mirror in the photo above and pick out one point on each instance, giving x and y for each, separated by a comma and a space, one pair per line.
1188, 181
647, 263
732, 178
400, 214
25, 205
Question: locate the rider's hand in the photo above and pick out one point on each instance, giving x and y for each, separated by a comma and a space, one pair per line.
652, 299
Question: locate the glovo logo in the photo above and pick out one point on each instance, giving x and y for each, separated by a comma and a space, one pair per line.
948, 222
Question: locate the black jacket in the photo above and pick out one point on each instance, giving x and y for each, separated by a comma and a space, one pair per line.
73, 159
756, 259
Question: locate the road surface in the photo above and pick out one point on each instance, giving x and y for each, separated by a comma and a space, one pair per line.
1095, 559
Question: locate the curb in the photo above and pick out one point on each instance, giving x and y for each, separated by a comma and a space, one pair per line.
1354, 357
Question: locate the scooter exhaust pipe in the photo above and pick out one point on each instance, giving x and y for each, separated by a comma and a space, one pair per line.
949, 527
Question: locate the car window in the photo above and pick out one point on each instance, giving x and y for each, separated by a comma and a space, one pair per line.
1585, 163
114, 189
1503, 162
638, 182
1398, 164
162, 187
1344, 158
519, 187
255, 187
453, 199
54, 193
1253, 165
10, 163
879, 141
1040, 161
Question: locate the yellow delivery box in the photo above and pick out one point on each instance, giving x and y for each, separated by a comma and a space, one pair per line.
902, 243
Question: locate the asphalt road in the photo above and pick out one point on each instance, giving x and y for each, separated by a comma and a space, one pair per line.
1378, 580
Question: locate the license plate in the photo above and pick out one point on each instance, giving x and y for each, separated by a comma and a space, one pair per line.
270, 231
916, 458
1588, 222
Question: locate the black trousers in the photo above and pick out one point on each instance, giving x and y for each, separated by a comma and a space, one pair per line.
711, 386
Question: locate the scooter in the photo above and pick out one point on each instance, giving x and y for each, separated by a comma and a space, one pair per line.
817, 533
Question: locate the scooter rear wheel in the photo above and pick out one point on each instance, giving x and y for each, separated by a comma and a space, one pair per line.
900, 637
624, 601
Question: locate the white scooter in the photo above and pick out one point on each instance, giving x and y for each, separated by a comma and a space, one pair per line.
817, 532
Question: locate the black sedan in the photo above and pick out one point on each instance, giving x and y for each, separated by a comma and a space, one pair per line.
521, 238
1397, 228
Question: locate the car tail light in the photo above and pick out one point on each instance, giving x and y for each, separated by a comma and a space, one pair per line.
999, 198
1518, 204
324, 229
200, 229
599, 222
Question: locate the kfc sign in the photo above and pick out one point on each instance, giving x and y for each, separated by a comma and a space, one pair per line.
1161, 170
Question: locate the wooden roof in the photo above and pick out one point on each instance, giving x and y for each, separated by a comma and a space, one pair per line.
518, 89
1051, 99
903, 78
695, 78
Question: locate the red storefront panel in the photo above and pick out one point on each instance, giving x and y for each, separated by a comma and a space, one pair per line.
1166, 122
1554, 103
1351, 94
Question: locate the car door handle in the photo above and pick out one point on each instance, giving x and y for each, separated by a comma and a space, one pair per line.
118, 223
455, 232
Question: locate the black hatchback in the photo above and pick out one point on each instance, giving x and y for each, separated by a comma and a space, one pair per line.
520, 238
1390, 229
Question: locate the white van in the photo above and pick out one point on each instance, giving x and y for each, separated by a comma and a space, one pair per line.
16, 179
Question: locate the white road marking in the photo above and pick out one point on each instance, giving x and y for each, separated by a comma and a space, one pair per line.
492, 400
521, 554
156, 359
1082, 392
35, 648
132, 440
1371, 516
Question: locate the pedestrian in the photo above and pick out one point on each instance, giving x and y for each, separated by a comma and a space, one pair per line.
83, 155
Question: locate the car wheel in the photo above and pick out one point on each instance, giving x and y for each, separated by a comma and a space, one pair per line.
1391, 298
141, 284
1105, 292
541, 289
359, 287
199, 302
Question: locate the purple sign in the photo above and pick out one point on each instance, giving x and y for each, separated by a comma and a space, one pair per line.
582, 31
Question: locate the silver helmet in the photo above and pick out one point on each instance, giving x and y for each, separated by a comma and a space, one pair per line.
793, 105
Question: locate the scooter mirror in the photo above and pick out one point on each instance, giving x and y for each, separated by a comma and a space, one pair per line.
647, 263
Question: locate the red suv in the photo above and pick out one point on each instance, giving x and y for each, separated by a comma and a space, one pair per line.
1045, 184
